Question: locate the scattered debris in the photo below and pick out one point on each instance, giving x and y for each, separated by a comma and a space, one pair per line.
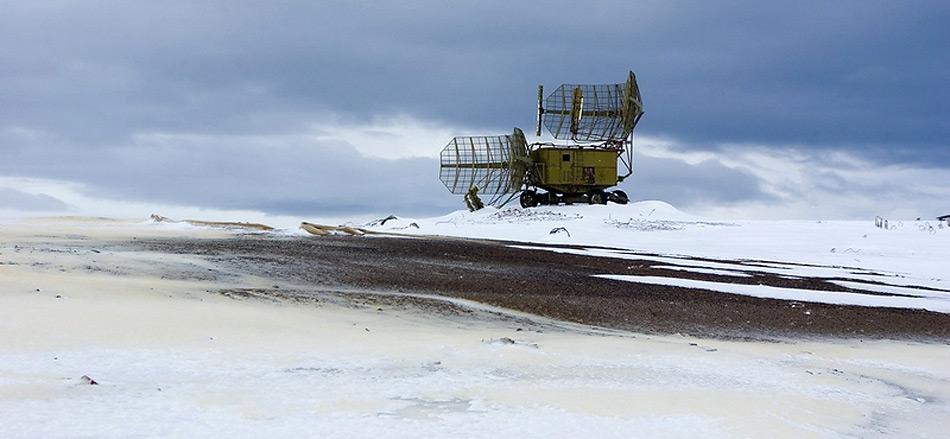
510, 341
225, 224
515, 214
86, 380
557, 230
433, 366
381, 221
648, 225
324, 230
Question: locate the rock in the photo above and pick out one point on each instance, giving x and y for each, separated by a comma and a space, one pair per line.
86, 380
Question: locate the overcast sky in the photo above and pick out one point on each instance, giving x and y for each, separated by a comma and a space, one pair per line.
753, 109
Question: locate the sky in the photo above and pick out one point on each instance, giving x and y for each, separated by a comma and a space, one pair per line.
810, 109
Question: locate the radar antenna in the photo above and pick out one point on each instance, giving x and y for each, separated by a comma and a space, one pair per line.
596, 121
496, 165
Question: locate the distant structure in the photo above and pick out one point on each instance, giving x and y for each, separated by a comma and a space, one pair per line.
594, 124
945, 218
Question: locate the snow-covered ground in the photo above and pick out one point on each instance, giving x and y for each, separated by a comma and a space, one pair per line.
907, 254
172, 359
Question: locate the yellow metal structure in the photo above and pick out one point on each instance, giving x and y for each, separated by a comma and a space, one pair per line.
573, 170
594, 125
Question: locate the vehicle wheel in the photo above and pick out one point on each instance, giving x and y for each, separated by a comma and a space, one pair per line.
620, 197
597, 197
528, 199
545, 198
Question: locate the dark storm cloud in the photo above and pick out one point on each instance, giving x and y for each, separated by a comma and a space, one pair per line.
870, 77
873, 74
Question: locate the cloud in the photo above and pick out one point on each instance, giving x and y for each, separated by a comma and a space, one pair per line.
314, 173
846, 75
12, 199
298, 107
317, 171
303, 173
830, 184
685, 184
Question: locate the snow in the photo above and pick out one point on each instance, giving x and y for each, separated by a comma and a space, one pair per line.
172, 360
175, 360
939, 303
897, 290
911, 253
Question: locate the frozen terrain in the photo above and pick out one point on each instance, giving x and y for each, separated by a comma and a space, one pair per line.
909, 258
173, 356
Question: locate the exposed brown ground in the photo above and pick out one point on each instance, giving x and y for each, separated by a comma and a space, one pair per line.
557, 285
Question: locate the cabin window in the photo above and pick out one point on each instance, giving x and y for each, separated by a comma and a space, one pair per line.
566, 158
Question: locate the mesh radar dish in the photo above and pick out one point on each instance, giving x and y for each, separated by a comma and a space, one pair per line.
591, 112
597, 121
495, 165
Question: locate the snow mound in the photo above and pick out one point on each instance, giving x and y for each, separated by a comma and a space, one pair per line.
651, 209
642, 210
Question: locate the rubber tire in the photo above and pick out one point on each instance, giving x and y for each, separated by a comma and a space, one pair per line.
597, 198
620, 197
528, 199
